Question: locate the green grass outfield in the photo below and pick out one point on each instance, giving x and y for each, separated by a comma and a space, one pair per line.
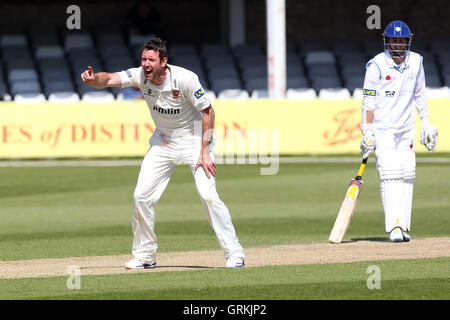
407, 279
51, 212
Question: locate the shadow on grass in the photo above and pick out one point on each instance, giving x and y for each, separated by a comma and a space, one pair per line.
373, 239
153, 268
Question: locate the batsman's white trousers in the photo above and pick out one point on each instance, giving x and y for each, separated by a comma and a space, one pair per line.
156, 170
396, 165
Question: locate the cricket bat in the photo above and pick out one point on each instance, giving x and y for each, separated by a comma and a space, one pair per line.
345, 214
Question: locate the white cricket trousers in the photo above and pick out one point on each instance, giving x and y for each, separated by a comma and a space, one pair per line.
396, 164
156, 170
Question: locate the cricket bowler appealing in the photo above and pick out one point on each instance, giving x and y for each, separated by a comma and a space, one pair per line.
177, 103
394, 83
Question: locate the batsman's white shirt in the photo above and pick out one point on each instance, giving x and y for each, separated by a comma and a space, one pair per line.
176, 104
175, 108
393, 91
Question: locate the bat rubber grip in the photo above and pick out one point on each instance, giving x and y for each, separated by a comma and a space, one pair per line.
361, 169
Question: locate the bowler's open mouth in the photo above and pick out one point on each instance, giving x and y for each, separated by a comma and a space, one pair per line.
147, 72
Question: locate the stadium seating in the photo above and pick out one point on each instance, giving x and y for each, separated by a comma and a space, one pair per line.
16, 75
438, 93
295, 82
29, 86
63, 97
372, 48
220, 84
99, 96
301, 94
56, 86
341, 48
325, 82
13, 40
29, 98
211, 95
43, 36
49, 52
311, 46
256, 83
48, 60
233, 94
357, 94
77, 41
439, 47
353, 82
319, 57
250, 49
182, 49
110, 38
433, 81
3, 92
260, 94
334, 94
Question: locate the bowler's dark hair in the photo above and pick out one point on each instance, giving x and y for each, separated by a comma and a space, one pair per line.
157, 45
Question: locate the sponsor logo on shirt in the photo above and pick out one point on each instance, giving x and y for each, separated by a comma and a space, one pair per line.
199, 93
166, 111
369, 92
389, 93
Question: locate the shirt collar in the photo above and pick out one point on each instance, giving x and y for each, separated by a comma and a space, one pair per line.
391, 63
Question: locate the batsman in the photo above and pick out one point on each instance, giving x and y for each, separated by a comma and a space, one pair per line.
394, 83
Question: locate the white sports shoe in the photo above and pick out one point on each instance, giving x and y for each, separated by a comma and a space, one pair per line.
396, 235
138, 264
234, 262
406, 236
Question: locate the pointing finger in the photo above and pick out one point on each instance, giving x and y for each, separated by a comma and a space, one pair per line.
91, 72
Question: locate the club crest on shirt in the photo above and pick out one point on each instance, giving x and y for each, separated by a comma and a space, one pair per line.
176, 93
148, 93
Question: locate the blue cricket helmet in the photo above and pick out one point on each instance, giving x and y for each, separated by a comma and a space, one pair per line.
397, 29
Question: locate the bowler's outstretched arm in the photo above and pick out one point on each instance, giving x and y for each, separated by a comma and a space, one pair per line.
101, 80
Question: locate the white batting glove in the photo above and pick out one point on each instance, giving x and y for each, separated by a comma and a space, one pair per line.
429, 137
368, 142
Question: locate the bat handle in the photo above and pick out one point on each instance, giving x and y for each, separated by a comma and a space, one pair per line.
361, 169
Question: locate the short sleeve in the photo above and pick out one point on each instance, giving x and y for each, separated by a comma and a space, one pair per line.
372, 81
195, 93
131, 77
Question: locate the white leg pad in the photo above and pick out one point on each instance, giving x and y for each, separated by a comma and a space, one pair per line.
408, 187
391, 171
409, 165
393, 204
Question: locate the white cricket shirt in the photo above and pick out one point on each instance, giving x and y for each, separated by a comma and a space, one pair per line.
394, 90
176, 104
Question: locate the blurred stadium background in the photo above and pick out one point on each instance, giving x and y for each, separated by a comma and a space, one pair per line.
223, 41
226, 43
78, 208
